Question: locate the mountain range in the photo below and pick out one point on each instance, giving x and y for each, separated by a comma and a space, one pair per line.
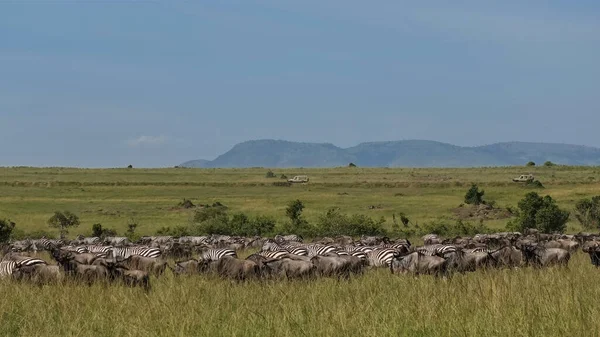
404, 153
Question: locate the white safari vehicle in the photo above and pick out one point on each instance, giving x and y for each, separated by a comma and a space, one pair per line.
523, 178
299, 179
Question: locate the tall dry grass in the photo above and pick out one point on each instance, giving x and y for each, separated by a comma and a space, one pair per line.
523, 302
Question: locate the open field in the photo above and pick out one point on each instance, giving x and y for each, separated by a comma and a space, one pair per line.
521, 302
29, 196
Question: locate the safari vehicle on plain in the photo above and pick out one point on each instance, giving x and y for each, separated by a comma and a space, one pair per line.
524, 178
299, 179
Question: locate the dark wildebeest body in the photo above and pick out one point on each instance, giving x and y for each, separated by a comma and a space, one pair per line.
417, 263
236, 269
543, 257
290, 269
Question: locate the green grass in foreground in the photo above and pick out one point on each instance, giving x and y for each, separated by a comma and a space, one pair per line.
523, 302
29, 196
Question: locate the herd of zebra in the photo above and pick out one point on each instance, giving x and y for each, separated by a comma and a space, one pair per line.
91, 259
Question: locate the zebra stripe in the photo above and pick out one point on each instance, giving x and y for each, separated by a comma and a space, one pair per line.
274, 254
318, 249
7, 268
215, 254
126, 252
287, 238
98, 248
47, 244
294, 249
436, 249
381, 257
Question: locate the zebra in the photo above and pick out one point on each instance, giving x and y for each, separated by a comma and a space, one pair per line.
47, 244
99, 250
287, 238
94, 240
400, 247
7, 268
318, 249
117, 241
381, 257
436, 249
194, 240
76, 249
215, 254
126, 252
278, 254
354, 251
273, 246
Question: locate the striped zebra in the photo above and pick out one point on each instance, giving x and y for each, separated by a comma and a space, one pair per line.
126, 252
294, 249
354, 251
94, 240
47, 244
436, 249
274, 254
76, 249
7, 268
194, 240
116, 241
381, 257
400, 247
318, 249
215, 254
288, 238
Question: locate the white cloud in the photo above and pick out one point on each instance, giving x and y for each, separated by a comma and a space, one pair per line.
147, 140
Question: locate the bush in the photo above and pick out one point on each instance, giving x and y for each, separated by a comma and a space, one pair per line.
474, 196
534, 184
178, 231
334, 223
530, 163
539, 213
129, 166
207, 213
297, 224
132, 225
283, 176
63, 221
587, 212
270, 174
186, 203
351, 165
6, 229
446, 228
100, 232
549, 163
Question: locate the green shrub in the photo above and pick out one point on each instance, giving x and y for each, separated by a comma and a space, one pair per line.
334, 223
207, 213
100, 232
270, 174
534, 184
63, 221
283, 176
530, 163
587, 212
549, 163
446, 228
474, 196
351, 165
177, 231
6, 229
540, 213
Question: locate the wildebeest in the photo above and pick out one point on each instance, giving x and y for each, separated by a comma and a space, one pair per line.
417, 263
151, 265
39, 274
539, 256
331, 265
291, 269
234, 268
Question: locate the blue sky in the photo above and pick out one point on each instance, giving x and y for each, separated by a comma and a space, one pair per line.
156, 83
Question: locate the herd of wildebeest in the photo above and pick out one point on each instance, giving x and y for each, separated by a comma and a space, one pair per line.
116, 259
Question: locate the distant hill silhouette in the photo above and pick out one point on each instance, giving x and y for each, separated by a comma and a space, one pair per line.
405, 153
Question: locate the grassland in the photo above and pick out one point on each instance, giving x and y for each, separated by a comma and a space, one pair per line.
523, 302
112, 197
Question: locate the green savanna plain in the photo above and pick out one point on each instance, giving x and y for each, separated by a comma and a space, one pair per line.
521, 302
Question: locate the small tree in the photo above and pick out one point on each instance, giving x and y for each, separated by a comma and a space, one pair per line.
297, 224
270, 174
587, 212
129, 166
474, 196
132, 225
351, 165
540, 213
6, 229
530, 164
549, 163
63, 221
405, 220
100, 232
